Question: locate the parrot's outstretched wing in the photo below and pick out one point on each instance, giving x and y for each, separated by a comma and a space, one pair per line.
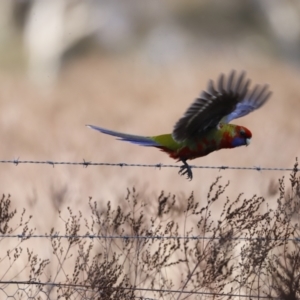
207, 111
134, 139
229, 99
252, 101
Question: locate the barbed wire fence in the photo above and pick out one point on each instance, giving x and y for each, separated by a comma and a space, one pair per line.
38, 289
138, 237
86, 164
78, 287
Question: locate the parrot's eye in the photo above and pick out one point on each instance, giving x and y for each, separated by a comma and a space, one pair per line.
243, 133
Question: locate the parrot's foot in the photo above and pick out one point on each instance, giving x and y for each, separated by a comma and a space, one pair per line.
186, 170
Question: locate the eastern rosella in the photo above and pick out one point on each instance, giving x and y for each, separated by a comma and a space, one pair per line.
205, 127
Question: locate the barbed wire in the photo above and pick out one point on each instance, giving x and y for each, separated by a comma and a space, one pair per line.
81, 286
85, 164
77, 287
152, 237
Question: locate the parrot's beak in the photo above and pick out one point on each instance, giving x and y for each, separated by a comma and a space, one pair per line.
248, 142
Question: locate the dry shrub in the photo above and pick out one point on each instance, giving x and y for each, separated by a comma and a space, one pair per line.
171, 248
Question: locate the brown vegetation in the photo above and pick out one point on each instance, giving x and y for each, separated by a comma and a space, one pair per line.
124, 252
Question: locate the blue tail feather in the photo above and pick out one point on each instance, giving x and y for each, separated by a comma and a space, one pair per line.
134, 139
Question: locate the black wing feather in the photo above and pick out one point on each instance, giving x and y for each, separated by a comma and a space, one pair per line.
212, 105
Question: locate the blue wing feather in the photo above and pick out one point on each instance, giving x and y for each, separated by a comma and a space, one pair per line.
252, 101
134, 139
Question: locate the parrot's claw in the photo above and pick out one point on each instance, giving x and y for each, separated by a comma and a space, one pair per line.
185, 169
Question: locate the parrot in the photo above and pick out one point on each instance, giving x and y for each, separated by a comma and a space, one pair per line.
205, 126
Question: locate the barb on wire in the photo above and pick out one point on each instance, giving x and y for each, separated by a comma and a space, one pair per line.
50, 163
153, 237
85, 164
81, 286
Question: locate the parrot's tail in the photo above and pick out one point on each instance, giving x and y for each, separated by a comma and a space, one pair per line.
134, 139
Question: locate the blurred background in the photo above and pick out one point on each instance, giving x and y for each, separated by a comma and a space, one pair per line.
135, 66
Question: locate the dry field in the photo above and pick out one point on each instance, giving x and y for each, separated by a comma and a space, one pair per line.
134, 95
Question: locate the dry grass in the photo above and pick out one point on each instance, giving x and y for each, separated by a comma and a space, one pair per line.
133, 95
250, 249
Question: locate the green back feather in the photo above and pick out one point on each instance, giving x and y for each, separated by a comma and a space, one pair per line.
167, 140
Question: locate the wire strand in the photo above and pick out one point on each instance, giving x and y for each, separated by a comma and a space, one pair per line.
85, 164
126, 237
134, 289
